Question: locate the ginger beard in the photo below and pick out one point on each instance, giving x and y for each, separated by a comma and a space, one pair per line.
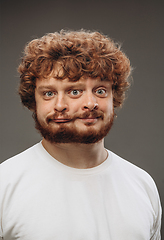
69, 133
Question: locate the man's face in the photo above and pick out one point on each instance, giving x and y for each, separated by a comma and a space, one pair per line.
73, 112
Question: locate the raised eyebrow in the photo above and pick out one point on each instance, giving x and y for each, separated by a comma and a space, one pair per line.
103, 85
71, 85
75, 85
100, 86
41, 88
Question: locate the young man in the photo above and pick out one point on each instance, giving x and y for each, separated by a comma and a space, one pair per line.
68, 186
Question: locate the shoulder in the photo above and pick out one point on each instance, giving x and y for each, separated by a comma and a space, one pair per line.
20, 161
141, 184
129, 169
137, 178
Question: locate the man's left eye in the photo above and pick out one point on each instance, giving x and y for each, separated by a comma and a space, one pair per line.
75, 92
101, 91
49, 94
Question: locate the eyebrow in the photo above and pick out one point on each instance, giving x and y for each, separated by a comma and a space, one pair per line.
45, 87
69, 85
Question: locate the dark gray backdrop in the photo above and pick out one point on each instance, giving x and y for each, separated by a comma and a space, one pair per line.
138, 132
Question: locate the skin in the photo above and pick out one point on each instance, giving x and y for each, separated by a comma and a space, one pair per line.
72, 99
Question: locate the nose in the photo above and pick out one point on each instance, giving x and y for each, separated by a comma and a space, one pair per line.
90, 102
61, 104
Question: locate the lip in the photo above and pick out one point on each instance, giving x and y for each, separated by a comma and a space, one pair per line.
89, 120
61, 120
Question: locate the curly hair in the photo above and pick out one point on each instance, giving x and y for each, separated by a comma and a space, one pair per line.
79, 53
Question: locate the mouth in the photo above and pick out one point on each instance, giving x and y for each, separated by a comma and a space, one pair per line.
89, 120
61, 120
85, 118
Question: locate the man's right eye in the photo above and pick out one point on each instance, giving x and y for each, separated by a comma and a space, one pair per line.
49, 94
75, 93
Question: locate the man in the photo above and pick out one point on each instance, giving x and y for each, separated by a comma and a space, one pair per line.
68, 186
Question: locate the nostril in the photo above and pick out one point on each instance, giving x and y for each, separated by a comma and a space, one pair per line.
96, 106
60, 109
64, 110
93, 107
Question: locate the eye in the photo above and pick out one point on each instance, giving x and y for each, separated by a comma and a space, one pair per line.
49, 94
75, 93
101, 92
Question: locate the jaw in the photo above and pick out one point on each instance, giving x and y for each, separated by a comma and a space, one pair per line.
81, 131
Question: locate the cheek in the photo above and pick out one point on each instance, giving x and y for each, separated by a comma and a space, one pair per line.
43, 109
106, 106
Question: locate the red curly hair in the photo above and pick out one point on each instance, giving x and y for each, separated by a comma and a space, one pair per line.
79, 53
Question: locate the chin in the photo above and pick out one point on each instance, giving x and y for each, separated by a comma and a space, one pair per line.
74, 132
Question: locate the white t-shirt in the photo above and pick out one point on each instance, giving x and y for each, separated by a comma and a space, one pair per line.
42, 199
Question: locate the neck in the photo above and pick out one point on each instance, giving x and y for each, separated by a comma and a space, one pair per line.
77, 155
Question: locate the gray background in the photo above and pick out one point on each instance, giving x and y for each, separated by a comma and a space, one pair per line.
138, 132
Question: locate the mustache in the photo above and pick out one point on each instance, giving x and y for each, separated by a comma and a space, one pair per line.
93, 114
